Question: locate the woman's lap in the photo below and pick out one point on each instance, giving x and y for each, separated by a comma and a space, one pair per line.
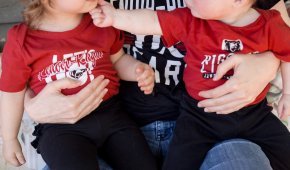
235, 154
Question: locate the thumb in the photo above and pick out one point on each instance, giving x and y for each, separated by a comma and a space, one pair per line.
223, 68
65, 83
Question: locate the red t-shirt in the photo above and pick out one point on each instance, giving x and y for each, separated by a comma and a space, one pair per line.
39, 57
209, 42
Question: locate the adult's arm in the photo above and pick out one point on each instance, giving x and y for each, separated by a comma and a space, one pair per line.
51, 106
251, 74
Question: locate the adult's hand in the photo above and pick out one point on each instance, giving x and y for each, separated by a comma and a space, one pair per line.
51, 106
252, 72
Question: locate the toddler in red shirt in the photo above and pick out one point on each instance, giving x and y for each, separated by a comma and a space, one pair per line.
59, 40
221, 28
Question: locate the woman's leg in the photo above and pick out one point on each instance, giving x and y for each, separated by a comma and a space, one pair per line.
125, 147
236, 154
158, 135
128, 150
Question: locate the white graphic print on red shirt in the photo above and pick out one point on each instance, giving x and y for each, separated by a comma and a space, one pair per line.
78, 66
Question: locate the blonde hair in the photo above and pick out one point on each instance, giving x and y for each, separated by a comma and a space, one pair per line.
33, 12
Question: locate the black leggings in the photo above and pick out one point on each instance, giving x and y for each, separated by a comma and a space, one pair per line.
197, 132
107, 129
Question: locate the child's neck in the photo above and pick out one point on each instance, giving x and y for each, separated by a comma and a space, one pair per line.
242, 18
59, 22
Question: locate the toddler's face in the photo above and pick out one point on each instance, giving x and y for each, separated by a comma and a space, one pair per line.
74, 6
209, 9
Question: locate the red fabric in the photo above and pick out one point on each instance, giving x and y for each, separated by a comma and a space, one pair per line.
209, 42
39, 57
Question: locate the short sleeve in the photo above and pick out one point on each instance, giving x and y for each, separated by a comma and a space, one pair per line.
15, 71
279, 38
175, 25
118, 41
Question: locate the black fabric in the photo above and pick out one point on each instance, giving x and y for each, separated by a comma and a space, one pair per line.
197, 132
168, 65
108, 128
266, 4
163, 104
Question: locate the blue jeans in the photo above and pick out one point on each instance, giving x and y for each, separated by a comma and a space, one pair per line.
158, 135
235, 154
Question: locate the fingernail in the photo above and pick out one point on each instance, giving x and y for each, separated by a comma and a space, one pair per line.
200, 94
206, 110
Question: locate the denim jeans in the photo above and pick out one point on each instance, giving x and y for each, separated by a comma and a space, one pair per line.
235, 154
158, 135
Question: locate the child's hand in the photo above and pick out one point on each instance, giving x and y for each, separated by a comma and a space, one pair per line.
12, 152
103, 14
284, 107
145, 77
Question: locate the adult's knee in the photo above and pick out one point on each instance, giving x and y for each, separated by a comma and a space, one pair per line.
237, 154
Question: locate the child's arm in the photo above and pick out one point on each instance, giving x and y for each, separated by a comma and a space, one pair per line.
284, 102
11, 109
131, 69
143, 21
